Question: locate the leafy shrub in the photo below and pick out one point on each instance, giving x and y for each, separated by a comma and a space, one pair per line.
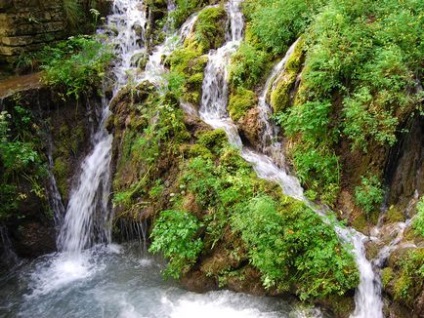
77, 64
277, 23
248, 66
310, 119
293, 248
175, 234
409, 280
369, 194
318, 168
21, 161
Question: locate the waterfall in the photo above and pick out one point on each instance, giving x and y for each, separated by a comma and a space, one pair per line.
87, 217
269, 141
213, 110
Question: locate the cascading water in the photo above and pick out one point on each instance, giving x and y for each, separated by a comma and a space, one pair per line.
89, 200
88, 214
213, 111
213, 108
269, 140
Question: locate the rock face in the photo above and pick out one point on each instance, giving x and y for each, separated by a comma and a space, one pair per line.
65, 126
26, 25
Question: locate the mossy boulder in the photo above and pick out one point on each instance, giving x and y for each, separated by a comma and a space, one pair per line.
241, 100
210, 28
403, 278
282, 94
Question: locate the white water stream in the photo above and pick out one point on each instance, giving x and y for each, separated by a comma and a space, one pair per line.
213, 111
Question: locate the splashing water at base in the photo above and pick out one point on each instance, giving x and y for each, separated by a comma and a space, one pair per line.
128, 283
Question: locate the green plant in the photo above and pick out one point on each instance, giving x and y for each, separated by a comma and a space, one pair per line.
294, 249
276, 24
248, 66
72, 11
21, 162
209, 30
318, 169
408, 281
175, 234
77, 65
369, 195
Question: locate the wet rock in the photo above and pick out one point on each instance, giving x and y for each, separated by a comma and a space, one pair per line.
34, 239
250, 126
197, 282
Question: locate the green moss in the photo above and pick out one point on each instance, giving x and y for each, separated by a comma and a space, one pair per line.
408, 277
387, 275
248, 66
214, 140
210, 28
394, 215
340, 305
189, 63
61, 170
281, 95
360, 223
184, 9
200, 151
240, 102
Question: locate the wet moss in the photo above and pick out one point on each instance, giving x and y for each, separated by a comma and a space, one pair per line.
210, 28
282, 95
394, 215
240, 102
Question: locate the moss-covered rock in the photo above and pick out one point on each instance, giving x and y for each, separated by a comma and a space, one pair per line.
209, 30
240, 102
403, 278
282, 93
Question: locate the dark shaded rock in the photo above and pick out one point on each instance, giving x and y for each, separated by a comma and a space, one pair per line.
405, 169
197, 282
34, 239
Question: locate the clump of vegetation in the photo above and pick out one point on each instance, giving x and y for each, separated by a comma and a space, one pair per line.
21, 161
240, 101
176, 236
406, 280
275, 24
76, 65
369, 195
294, 249
209, 30
248, 66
